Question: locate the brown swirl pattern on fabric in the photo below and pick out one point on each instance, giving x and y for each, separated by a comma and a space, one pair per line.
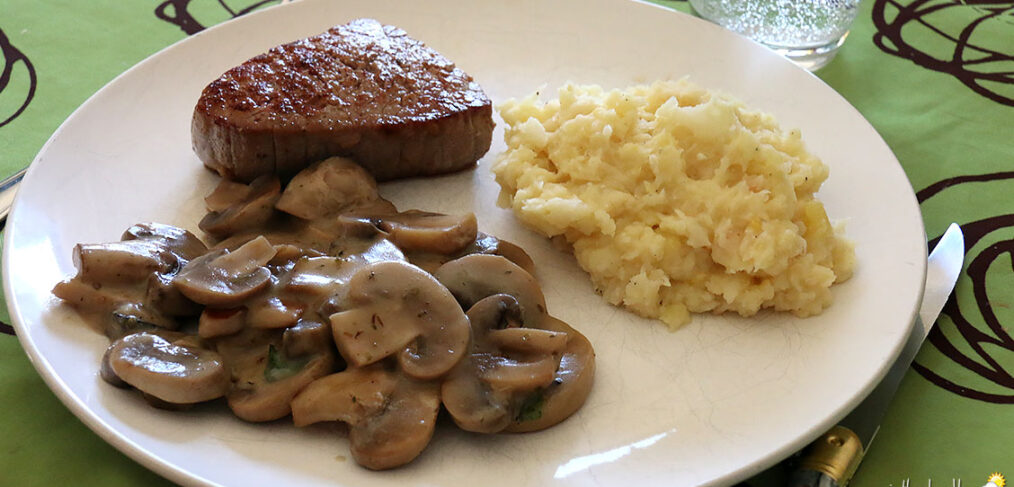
972, 53
976, 339
12, 58
178, 12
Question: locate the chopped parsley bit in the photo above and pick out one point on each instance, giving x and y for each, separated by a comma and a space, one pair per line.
531, 409
279, 367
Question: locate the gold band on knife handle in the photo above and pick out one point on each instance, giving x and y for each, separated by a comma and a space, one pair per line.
836, 453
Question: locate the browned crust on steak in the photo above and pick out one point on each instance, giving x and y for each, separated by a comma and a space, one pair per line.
360, 90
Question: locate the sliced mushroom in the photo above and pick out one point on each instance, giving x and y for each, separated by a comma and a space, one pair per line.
227, 193
130, 317
255, 210
402, 431
488, 244
172, 373
147, 259
392, 417
476, 276
237, 240
570, 387
349, 396
415, 230
516, 255
397, 307
483, 244
472, 278
504, 373
317, 277
220, 322
164, 297
177, 240
371, 333
314, 237
305, 338
113, 310
223, 279
96, 305
121, 262
286, 254
272, 312
266, 378
107, 373
328, 188
486, 391
528, 340
376, 250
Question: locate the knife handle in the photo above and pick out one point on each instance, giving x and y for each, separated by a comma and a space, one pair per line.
829, 461
811, 478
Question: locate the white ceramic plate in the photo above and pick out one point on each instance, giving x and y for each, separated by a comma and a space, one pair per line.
712, 403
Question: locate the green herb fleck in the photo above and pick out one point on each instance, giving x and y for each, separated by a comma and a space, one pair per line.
280, 367
531, 409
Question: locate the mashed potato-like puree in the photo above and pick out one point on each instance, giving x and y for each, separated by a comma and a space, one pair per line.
675, 199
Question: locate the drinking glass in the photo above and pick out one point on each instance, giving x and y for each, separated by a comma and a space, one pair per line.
808, 32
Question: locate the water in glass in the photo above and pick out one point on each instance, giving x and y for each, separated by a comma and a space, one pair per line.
807, 31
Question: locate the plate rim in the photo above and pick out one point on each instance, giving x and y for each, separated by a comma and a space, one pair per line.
179, 475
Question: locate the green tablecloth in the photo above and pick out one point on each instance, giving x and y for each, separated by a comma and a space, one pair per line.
935, 77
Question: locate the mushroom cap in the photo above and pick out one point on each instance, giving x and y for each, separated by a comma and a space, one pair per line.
255, 209
266, 379
328, 188
476, 276
349, 396
485, 390
571, 385
223, 279
488, 244
416, 230
472, 404
172, 373
220, 322
392, 417
226, 194
164, 297
515, 254
318, 279
401, 431
107, 373
178, 240
395, 307
268, 401
267, 311
518, 378
306, 337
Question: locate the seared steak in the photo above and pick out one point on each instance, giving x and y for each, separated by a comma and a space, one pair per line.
361, 90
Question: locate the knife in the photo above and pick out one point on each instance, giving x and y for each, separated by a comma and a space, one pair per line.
8, 188
832, 459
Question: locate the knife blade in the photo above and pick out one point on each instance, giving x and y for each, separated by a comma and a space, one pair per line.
832, 459
8, 189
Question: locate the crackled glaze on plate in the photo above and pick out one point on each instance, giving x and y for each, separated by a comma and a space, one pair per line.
711, 403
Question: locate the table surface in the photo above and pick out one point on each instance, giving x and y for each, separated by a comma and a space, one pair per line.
934, 77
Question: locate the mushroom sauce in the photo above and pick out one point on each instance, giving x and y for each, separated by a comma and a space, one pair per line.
324, 302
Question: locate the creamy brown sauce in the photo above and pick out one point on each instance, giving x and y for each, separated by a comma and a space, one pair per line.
324, 302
